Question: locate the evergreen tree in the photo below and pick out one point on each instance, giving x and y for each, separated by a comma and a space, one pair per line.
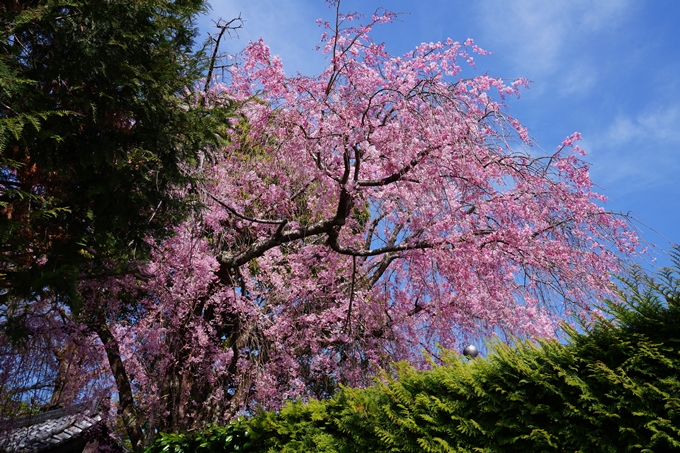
93, 134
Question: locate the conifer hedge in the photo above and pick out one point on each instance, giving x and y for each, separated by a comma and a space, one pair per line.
614, 388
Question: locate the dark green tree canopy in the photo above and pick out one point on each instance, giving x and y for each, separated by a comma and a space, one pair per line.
92, 133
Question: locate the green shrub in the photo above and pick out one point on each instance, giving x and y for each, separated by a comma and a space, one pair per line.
213, 439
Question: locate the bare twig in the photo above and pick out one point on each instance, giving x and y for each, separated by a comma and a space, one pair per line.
225, 27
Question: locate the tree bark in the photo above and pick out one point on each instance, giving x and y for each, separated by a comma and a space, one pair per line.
125, 397
62, 395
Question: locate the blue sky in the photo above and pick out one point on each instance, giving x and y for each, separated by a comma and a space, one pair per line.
609, 69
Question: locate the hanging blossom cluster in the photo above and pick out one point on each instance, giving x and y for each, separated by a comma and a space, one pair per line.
367, 215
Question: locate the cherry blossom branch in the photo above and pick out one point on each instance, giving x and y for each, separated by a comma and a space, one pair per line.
245, 217
379, 269
395, 176
332, 242
348, 325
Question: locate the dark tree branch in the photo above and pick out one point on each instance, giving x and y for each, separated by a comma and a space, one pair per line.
380, 268
245, 217
260, 247
233, 24
395, 176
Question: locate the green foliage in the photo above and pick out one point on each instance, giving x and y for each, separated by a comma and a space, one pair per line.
614, 388
94, 134
213, 439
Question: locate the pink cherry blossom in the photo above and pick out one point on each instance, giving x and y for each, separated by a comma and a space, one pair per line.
377, 212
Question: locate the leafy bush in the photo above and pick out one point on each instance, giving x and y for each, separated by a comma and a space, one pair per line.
213, 439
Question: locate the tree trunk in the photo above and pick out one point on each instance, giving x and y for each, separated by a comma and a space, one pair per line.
125, 397
62, 394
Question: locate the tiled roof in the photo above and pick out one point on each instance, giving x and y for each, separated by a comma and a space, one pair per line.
47, 430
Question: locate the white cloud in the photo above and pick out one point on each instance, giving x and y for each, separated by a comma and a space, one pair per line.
578, 80
662, 124
639, 152
657, 124
546, 38
601, 14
